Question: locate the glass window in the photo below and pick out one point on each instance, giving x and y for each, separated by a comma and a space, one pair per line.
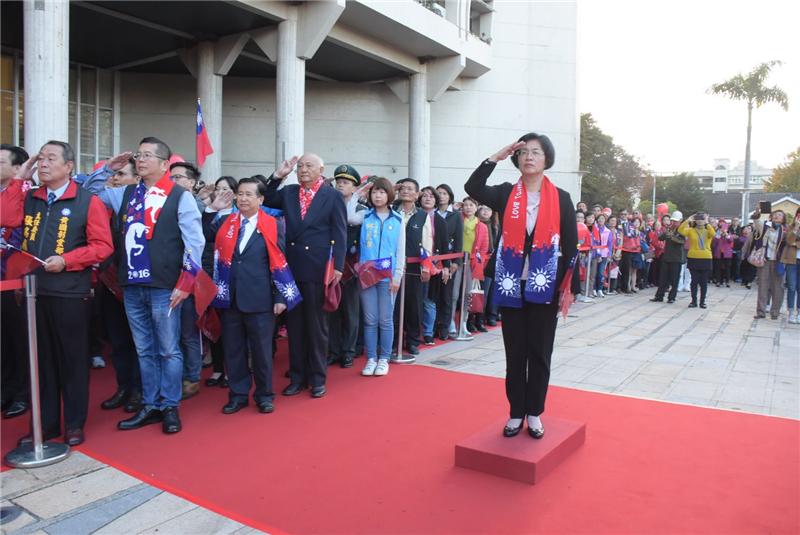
73, 84
106, 134
88, 131
88, 86
72, 125
7, 73
7, 117
106, 97
86, 163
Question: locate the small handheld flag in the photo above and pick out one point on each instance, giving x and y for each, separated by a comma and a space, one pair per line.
202, 143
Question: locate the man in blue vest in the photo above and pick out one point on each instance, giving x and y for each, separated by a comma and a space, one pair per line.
161, 230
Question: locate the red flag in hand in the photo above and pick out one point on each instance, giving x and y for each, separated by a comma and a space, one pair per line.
329, 269
197, 282
202, 143
372, 272
19, 263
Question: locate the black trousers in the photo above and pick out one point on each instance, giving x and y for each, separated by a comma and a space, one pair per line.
63, 340
240, 332
668, 276
700, 277
528, 336
343, 323
625, 272
444, 302
218, 355
123, 350
412, 315
14, 349
308, 337
722, 270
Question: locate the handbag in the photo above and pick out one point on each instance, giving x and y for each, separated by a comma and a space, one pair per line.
757, 257
476, 298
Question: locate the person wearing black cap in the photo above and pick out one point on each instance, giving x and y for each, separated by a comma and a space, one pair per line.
343, 323
455, 238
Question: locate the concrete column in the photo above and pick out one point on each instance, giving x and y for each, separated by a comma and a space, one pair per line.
209, 91
46, 66
290, 94
419, 129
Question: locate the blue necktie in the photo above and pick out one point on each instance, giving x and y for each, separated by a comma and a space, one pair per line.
51, 198
241, 233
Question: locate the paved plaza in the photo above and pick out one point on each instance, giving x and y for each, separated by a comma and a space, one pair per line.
624, 345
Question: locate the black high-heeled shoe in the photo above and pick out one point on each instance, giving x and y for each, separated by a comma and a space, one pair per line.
509, 432
536, 433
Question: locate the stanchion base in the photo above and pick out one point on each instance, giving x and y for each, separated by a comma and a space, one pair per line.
464, 338
403, 359
25, 456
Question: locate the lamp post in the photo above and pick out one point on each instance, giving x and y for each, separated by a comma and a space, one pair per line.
653, 208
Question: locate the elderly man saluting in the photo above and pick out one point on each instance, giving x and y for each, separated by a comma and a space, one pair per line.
316, 219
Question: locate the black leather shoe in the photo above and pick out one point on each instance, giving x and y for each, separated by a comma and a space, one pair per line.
513, 431
74, 437
134, 403
413, 350
116, 401
671, 301
140, 419
234, 405
481, 328
17, 408
214, 381
28, 439
318, 391
703, 305
657, 300
332, 361
491, 323
223, 382
692, 305
429, 340
536, 433
266, 407
347, 362
293, 389
172, 421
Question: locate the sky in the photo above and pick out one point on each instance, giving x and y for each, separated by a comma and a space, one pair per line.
644, 68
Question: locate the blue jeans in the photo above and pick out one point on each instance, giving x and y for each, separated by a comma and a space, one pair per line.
191, 344
792, 285
428, 312
377, 305
599, 278
156, 335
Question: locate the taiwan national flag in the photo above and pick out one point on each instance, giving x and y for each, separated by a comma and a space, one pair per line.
18, 263
426, 262
203, 145
372, 272
197, 282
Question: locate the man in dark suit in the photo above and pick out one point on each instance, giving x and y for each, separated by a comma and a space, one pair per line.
315, 219
249, 321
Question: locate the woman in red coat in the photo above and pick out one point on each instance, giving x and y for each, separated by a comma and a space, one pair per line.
476, 242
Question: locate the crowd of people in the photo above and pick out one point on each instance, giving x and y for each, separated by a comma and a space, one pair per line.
631, 251
116, 244
321, 262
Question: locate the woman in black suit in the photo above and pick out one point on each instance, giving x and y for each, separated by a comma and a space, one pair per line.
538, 241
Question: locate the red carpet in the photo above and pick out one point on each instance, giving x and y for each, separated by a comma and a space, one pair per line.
376, 456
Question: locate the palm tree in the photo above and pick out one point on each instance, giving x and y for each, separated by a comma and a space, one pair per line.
751, 88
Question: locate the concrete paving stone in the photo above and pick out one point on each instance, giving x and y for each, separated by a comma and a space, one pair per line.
76, 463
619, 365
572, 342
793, 412
712, 363
693, 389
753, 380
742, 407
686, 349
24, 519
569, 373
161, 508
646, 383
588, 361
196, 521
752, 366
76, 492
98, 516
638, 394
16, 482
743, 394
247, 530
605, 378
780, 382
688, 400
671, 357
659, 369
785, 399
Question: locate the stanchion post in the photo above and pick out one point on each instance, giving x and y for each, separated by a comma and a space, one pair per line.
463, 333
588, 272
36, 453
399, 358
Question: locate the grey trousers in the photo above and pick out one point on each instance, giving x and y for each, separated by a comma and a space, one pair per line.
770, 289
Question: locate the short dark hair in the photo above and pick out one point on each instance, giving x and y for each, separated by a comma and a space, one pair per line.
67, 151
193, 172
162, 148
382, 183
18, 155
228, 180
260, 187
449, 191
470, 199
410, 180
431, 191
547, 147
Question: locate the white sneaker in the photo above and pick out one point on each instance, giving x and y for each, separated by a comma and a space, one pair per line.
583, 299
594, 294
600, 293
383, 367
98, 362
794, 317
369, 369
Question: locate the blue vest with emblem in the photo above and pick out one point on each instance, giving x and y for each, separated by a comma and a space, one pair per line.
379, 238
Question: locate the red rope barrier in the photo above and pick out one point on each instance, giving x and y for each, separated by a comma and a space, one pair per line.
11, 285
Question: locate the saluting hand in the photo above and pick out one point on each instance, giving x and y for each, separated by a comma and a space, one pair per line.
222, 200
119, 161
286, 167
506, 151
27, 169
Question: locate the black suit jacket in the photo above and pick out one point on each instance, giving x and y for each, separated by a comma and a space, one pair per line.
308, 241
454, 232
414, 238
496, 198
252, 290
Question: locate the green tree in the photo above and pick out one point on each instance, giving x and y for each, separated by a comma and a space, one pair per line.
683, 191
612, 177
786, 177
751, 89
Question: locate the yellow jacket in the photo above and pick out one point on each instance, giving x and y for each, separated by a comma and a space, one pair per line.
695, 236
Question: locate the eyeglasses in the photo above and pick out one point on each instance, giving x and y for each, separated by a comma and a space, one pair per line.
536, 153
178, 177
146, 156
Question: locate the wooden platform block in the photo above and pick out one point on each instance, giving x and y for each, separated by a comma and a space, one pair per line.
522, 457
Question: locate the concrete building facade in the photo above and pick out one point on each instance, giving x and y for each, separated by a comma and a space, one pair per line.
396, 88
724, 177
